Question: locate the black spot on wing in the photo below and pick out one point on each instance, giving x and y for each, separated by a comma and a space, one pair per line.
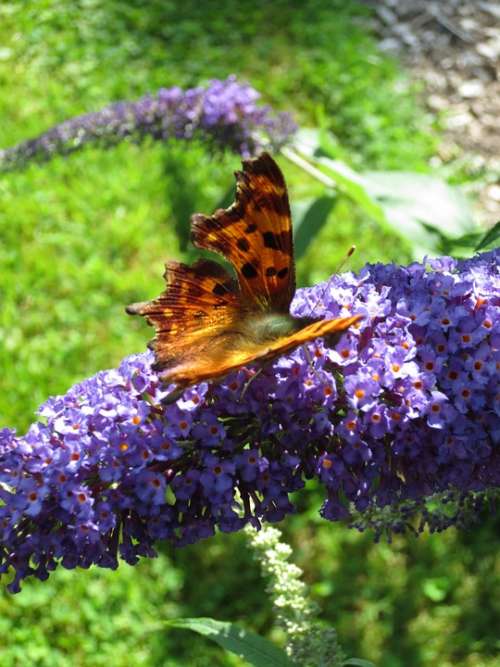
270, 240
274, 202
283, 272
219, 289
270, 271
251, 228
243, 244
249, 271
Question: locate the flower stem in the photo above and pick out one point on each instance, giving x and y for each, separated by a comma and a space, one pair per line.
298, 160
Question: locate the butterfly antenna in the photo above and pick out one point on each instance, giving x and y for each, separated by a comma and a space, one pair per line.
345, 259
338, 269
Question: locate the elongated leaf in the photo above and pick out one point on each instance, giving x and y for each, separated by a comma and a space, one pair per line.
309, 218
412, 199
468, 241
354, 185
251, 647
357, 662
313, 143
490, 237
426, 210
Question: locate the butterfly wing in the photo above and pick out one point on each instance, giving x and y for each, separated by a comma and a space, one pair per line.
255, 235
233, 349
200, 302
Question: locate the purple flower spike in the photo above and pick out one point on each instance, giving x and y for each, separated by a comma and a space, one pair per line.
224, 113
403, 409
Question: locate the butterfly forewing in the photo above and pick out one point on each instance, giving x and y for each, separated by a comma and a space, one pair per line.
255, 235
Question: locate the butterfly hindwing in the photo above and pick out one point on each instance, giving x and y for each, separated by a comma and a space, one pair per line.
200, 301
255, 235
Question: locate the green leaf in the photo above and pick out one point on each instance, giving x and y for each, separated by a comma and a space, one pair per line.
490, 237
257, 650
354, 186
310, 216
357, 662
409, 200
431, 214
468, 241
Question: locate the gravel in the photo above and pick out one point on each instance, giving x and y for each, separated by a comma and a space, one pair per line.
453, 47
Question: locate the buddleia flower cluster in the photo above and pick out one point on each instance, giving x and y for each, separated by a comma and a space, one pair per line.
406, 405
225, 114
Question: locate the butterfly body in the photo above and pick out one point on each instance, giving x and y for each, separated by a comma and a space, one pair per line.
208, 324
267, 327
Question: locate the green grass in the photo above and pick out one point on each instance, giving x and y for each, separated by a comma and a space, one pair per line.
82, 237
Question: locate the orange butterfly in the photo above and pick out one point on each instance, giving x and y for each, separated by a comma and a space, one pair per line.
207, 323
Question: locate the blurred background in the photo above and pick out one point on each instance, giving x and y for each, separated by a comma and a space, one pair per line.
394, 86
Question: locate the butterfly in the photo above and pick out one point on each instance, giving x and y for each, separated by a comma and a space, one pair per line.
206, 322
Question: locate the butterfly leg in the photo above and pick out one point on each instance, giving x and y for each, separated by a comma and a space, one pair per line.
248, 382
310, 361
173, 396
